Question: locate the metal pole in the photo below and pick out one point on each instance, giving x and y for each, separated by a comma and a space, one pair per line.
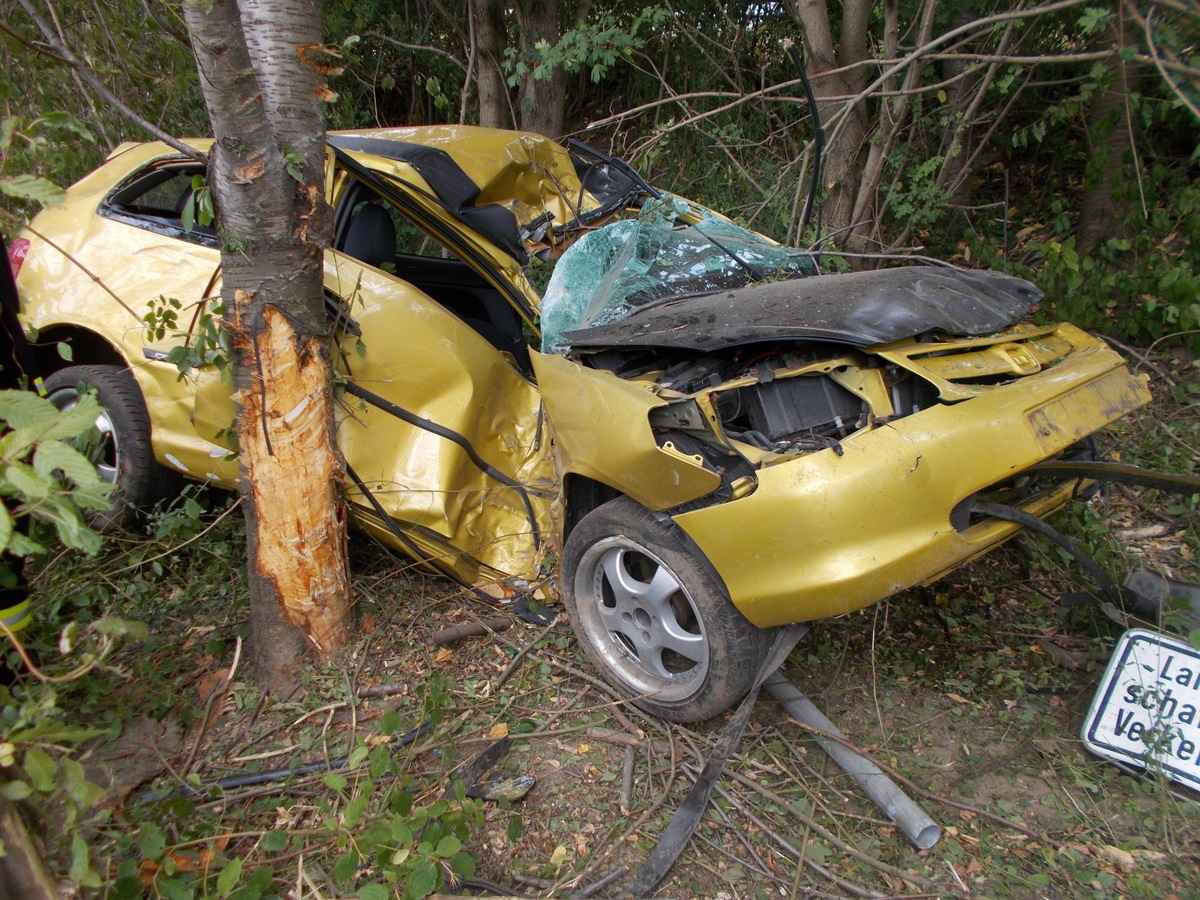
909, 818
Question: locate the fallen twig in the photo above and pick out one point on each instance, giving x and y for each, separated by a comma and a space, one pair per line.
373, 691
521, 654
217, 694
471, 629
788, 847
627, 781
832, 838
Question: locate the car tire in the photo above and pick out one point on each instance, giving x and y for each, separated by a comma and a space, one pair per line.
124, 456
655, 619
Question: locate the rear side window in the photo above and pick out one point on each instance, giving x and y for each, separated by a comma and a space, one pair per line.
156, 200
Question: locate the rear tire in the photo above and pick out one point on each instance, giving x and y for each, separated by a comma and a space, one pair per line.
654, 619
124, 456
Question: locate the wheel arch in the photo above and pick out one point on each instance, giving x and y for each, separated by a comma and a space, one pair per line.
581, 495
86, 348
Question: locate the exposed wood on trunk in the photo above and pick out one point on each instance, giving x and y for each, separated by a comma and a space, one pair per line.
260, 65
291, 464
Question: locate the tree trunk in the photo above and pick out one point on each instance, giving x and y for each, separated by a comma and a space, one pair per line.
488, 25
260, 65
844, 157
541, 101
1100, 208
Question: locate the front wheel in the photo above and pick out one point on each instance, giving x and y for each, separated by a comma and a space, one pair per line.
653, 618
123, 455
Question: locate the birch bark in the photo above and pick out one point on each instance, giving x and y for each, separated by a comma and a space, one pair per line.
261, 69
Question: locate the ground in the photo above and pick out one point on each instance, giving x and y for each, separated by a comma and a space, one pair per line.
973, 691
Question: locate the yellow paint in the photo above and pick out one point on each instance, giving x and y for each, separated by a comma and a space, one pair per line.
847, 531
803, 537
602, 431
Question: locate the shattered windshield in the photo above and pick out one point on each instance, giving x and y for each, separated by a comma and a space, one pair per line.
662, 253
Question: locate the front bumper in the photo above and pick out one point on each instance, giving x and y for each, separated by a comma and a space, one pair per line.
825, 534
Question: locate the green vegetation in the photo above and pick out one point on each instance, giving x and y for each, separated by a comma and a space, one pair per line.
973, 688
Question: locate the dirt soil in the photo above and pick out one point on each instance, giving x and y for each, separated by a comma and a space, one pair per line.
972, 691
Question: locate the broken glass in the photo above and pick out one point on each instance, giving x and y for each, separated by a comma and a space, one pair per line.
670, 249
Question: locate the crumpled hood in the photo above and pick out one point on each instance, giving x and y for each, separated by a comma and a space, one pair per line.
858, 308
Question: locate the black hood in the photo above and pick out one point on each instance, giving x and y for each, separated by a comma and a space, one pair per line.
858, 308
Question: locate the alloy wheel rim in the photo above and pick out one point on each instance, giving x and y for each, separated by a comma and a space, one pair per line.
641, 619
104, 453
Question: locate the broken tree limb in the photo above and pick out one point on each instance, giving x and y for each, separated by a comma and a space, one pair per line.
22, 872
471, 629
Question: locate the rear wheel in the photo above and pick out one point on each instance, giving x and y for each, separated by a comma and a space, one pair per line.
122, 455
655, 619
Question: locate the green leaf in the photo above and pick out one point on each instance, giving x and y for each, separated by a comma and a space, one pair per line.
447, 847
422, 881
27, 481
229, 876
357, 755
6, 527
23, 409
381, 762
31, 187
389, 722
15, 790
355, 809
335, 781
274, 841
294, 163
374, 892
462, 865
187, 217
401, 833
346, 866
55, 455
516, 828
80, 859
150, 841
41, 769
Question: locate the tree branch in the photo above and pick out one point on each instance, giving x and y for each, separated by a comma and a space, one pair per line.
93, 81
423, 47
839, 119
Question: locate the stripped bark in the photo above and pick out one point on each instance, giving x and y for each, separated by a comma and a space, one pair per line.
261, 66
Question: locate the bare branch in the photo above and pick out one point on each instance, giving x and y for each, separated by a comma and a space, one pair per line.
1158, 63
839, 119
426, 48
93, 81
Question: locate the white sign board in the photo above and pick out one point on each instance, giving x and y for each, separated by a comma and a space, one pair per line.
1145, 712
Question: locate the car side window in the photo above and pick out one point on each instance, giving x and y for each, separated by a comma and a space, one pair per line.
370, 229
158, 200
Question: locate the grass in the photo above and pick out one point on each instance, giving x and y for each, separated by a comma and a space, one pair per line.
973, 690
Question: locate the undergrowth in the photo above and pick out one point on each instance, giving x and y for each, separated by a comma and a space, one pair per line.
972, 690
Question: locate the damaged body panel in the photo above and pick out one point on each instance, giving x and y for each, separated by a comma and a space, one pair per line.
859, 308
692, 435
876, 518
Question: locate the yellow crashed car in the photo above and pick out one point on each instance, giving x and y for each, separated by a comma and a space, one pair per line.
689, 429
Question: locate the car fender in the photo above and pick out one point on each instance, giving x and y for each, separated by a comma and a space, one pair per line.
601, 430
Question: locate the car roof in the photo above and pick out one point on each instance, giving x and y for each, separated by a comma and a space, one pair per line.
512, 187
